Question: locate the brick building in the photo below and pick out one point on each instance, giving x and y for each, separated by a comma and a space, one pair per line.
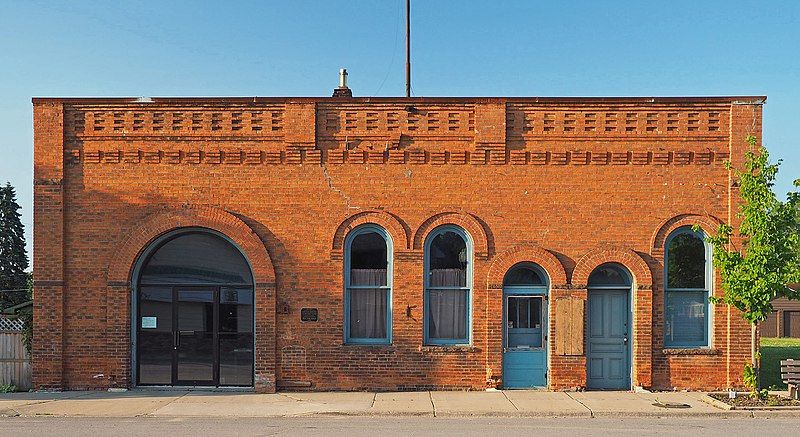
385, 243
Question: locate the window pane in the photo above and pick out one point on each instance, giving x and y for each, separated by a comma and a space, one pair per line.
368, 259
236, 336
447, 314
685, 315
155, 335
368, 312
523, 275
196, 258
608, 275
524, 320
448, 260
686, 262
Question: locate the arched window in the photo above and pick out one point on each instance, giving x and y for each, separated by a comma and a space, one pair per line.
687, 275
524, 274
196, 258
609, 275
448, 282
195, 321
368, 286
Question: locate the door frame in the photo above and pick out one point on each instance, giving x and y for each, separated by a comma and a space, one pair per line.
629, 347
135, 315
540, 291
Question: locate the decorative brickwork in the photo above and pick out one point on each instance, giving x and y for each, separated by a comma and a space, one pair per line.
567, 183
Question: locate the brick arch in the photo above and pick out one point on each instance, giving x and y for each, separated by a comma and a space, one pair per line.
128, 251
468, 222
636, 265
709, 223
526, 252
396, 228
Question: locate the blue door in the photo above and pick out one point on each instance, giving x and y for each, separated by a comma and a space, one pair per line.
524, 351
608, 356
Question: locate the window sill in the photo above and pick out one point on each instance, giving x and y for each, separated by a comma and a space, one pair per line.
690, 351
449, 348
369, 345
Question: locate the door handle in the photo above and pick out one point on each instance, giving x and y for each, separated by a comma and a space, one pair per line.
176, 340
625, 340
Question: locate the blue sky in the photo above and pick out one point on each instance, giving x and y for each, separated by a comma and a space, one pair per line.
459, 48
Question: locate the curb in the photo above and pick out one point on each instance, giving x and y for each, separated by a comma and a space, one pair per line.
722, 405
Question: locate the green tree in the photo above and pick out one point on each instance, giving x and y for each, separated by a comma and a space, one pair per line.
13, 257
769, 257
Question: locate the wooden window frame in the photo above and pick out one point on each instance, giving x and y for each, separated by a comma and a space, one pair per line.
708, 273
427, 340
361, 230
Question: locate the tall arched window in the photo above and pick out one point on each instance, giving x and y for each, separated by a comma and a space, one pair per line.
687, 275
368, 286
195, 312
448, 282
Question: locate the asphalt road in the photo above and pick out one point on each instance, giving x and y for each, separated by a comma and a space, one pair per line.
382, 426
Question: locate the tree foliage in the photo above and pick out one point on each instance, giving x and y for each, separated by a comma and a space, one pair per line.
13, 257
769, 257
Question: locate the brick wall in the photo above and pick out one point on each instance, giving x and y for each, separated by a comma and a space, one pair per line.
567, 183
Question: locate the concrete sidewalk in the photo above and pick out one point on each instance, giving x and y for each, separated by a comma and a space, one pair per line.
438, 404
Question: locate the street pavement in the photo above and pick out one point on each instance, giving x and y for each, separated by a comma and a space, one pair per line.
390, 426
512, 403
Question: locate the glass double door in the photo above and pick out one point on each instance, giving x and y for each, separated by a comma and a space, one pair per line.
195, 336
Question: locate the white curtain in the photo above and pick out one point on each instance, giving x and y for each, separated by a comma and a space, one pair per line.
448, 313
368, 306
367, 276
368, 312
448, 278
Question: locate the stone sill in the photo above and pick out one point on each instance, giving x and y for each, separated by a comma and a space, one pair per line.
374, 346
449, 348
690, 351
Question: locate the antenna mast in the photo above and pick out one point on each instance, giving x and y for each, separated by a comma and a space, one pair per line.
408, 48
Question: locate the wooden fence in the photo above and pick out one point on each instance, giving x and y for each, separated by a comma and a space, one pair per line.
15, 364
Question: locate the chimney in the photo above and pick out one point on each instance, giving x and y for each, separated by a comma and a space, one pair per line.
342, 90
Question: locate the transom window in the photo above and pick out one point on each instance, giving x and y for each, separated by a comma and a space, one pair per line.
524, 274
609, 275
368, 278
688, 283
448, 282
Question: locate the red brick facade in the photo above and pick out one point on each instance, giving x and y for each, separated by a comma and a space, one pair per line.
566, 183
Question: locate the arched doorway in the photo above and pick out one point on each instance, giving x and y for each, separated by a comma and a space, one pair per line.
609, 328
193, 297
525, 321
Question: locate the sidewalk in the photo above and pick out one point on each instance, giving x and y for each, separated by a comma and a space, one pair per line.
136, 403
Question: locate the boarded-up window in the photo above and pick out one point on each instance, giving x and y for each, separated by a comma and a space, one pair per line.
569, 326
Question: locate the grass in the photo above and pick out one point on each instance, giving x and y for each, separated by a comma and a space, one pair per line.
773, 350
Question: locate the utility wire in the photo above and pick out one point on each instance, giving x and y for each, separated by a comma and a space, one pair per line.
394, 50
